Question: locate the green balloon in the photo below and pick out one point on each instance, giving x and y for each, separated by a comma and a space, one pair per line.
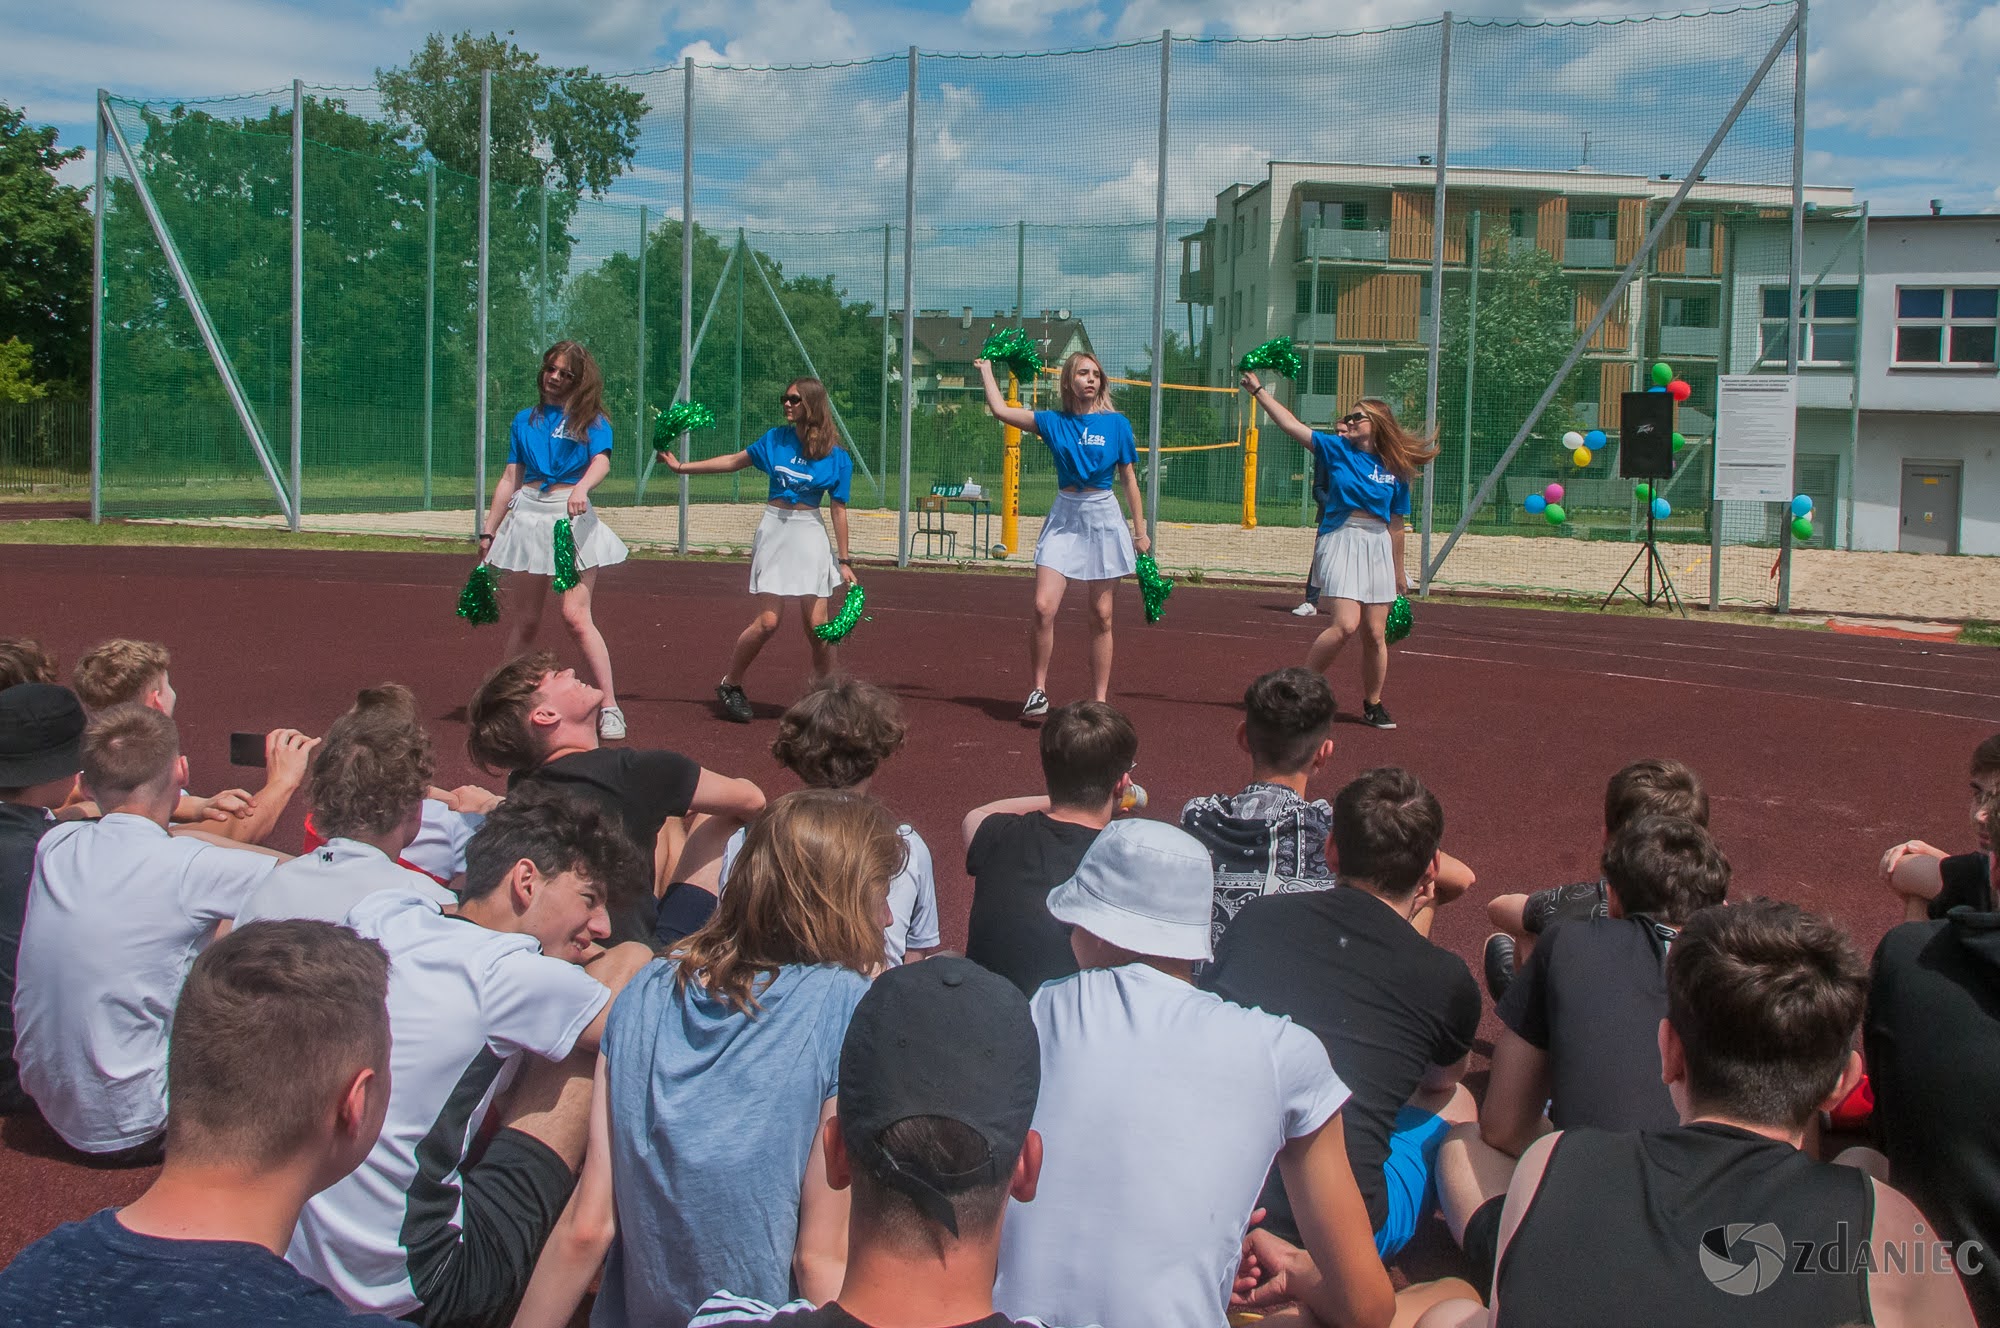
1663, 373
1679, 442
1554, 514
1802, 529
1643, 492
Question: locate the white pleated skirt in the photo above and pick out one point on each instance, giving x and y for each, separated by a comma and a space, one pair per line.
792, 554
1085, 537
1356, 562
526, 540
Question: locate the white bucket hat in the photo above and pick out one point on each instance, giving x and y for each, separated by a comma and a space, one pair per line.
1144, 886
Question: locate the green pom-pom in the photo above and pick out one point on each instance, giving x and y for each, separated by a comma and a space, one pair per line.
1278, 355
679, 418
1399, 620
1153, 587
1015, 349
479, 602
837, 628
566, 576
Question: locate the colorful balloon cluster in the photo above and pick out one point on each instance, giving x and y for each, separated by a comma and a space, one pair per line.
1664, 381
1802, 522
1583, 447
1547, 504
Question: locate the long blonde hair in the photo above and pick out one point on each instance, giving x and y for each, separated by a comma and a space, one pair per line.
817, 436
807, 888
1070, 401
1401, 450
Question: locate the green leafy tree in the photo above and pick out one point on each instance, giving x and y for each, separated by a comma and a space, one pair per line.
44, 251
17, 373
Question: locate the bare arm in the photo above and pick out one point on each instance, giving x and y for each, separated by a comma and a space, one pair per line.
1128, 475
1014, 806
286, 752
1511, 1117
1454, 878
1933, 1296
819, 1261
1438, 1078
582, 1235
721, 465
1352, 1287
1019, 417
1396, 526
593, 475
503, 493
720, 795
1293, 427
840, 542
1914, 871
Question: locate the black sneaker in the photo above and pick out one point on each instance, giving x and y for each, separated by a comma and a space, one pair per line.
1499, 964
735, 705
1373, 715
1038, 704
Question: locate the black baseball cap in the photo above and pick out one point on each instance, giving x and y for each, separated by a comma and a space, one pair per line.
940, 1037
41, 734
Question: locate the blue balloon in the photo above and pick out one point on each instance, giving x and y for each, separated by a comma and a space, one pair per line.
1656, 388
1801, 505
1534, 502
1662, 509
1594, 439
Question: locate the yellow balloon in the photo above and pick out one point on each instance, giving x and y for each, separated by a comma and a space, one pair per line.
1581, 456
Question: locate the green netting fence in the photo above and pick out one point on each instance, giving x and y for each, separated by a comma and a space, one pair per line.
1437, 213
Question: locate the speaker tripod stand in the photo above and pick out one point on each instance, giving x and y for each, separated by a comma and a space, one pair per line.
1663, 591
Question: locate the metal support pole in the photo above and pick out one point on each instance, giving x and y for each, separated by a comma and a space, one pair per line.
1437, 300
1473, 256
682, 393
1798, 259
1159, 296
887, 340
798, 344
1307, 515
1854, 392
204, 326
97, 320
484, 303
542, 267
298, 295
736, 477
909, 304
1617, 290
1020, 272
1728, 320
640, 450
430, 315
685, 391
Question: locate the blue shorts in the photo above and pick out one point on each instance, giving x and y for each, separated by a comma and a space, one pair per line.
1410, 1175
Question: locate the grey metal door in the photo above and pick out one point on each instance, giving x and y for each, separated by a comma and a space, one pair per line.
1930, 509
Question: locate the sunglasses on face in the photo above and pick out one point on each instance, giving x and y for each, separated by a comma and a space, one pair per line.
1356, 418
792, 399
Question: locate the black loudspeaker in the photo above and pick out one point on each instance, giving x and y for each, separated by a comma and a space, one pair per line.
1646, 436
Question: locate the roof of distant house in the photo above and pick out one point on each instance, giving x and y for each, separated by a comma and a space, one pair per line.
956, 338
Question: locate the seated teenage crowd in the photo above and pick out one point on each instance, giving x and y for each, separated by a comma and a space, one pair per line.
628, 1032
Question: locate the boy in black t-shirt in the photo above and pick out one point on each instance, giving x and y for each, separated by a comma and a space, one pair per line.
537, 721
1932, 883
1397, 1013
1019, 849
1650, 786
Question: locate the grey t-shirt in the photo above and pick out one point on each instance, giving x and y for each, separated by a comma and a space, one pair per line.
713, 1114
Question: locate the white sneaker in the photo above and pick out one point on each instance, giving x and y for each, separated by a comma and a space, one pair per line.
611, 723
1306, 610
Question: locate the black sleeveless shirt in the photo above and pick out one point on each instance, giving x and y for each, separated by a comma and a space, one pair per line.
1696, 1226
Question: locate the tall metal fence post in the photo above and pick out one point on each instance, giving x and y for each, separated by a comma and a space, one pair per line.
542, 265
882, 467
1792, 305
1437, 298
298, 295
479, 344
909, 304
430, 315
1159, 296
1473, 256
639, 378
97, 320
1854, 391
1723, 365
1020, 272
736, 477
685, 392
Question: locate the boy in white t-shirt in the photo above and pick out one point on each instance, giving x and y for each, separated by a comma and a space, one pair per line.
836, 736
369, 776
117, 911
1162, 1108
498, 1005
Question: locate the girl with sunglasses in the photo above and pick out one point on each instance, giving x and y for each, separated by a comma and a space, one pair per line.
1358, 559
1084, 537
559, 450
790, 560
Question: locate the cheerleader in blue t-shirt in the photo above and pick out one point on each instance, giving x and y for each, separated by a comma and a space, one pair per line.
1084, 536
552, 465
1358, 560
790, 560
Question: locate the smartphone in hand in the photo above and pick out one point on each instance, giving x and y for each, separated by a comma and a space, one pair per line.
246, 749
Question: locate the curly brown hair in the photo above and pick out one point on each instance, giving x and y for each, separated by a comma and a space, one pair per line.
373, 766
839, 732
558, 832
807, 888
499, 735
23, 660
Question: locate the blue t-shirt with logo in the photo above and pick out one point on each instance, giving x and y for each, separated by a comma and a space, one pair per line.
795, 477
1356, 481
1088, 448
546, 454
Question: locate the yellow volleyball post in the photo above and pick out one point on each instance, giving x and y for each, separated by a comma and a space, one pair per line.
1250, 472
1010, 475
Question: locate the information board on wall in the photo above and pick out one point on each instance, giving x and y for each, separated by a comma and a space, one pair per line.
1756, 434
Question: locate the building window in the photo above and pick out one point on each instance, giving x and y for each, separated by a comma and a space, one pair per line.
1329, 295
1826, 326
1242, 233
1591, 225
1325, 375
1354, 216
1946, 325
1701, 235
1698, 311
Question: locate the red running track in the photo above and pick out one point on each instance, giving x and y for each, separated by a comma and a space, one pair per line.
1818, 749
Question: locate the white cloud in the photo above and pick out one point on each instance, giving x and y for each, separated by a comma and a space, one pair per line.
1017, 18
